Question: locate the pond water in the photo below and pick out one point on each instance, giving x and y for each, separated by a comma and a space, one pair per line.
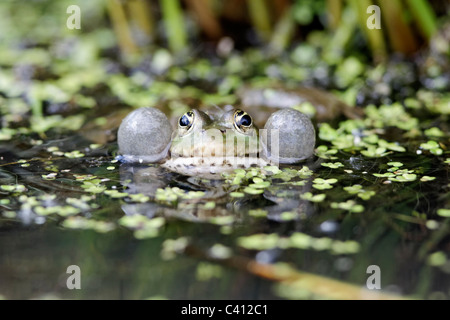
137, 231
366, 217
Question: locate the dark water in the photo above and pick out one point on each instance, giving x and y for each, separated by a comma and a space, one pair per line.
113, 266
36, 249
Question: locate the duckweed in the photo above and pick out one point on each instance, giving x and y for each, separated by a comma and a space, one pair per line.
171, 247
93, 187
374, 152
288, 216
313, 198
9, 214
434, 132
259, 241
143, 226
444, 213
353, 189
82, 203
349, 205
219, 251
237, 194
405, 177
258, 213
253, 191
222, 220
433, 147
327, 133
323, 184
395, 164
273, 169
88, 224
331, 165
206, 271
133, 221
170, 195
325, 153
210, 205
13, 188
50, 176
298, 240
366, 195
361, 193
437, 259
115, 194
391, 146
74, 154
139, 197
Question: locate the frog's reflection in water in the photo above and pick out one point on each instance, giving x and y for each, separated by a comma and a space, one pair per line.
210, 198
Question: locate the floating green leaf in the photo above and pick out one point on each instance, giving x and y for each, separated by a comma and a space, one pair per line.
115, 194
258, 213
437, 259
353, 189
349, 205
395, 164
331, 165
325, 153
236, 194
433, 147
366, 195
313, 198
444, 213
74, 154
434, 132
323, 184
406, 177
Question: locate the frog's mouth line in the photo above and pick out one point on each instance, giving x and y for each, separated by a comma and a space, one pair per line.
213, 165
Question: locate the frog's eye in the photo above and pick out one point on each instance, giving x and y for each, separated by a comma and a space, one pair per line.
186, 120
242, 120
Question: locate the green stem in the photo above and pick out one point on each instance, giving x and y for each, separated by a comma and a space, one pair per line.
206, 17
175, 28
259, 14
400, 33
283, 32
374, 36
141, 13
424, 15
334, 8
121, 28
334, 50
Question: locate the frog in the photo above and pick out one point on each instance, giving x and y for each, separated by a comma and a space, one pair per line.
212, 142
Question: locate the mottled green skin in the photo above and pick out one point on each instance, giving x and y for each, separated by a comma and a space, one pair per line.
210, 134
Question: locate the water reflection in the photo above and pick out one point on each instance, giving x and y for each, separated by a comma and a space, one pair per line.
147, 180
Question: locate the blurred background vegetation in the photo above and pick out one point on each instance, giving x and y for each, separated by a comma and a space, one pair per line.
277, 24
193, 25
149, 51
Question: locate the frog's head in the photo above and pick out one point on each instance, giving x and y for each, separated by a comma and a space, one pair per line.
230, 133
215, 142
